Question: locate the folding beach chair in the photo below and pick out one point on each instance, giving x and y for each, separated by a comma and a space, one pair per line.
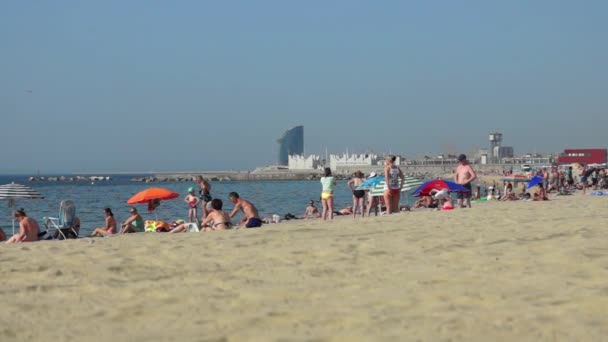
64, 224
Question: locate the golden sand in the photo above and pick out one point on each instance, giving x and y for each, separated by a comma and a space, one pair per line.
499, 272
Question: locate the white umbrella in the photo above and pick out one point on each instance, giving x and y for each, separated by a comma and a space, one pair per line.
13, 191
408, 184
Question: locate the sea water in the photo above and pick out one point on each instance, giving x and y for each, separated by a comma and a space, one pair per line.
270, 197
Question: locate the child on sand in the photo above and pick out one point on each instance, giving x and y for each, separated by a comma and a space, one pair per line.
192, 201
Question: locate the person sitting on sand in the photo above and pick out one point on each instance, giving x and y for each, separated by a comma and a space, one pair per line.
311, 211
448, 204
2, 235
133, 224
251, 217
476, 195
68, 231
541, 195
423, 202
28, 228
490, 196
216, 219
509, 195
192, 201
110, 226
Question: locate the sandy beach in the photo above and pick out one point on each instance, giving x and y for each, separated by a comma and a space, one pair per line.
499, 272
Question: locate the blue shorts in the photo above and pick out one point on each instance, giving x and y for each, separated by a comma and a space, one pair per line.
583, 179
253, 222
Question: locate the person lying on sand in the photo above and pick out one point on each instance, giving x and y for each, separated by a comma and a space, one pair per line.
425, 202
348, 210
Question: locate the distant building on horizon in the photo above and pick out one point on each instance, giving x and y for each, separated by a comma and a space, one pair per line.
583, 156
290, 143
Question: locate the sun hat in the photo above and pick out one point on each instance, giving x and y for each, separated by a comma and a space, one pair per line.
372, 175
191, 189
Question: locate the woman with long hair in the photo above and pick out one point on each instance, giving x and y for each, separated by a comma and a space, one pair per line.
110, 226
327, 194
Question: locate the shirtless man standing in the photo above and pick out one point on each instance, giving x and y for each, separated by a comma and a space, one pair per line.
251, 218
28, 228
205, 193
464, 175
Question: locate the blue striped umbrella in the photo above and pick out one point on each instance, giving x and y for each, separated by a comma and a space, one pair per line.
13, 191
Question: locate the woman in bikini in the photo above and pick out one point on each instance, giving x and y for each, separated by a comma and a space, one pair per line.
110, 227
216, 218
358, 195
392, 185
327, 194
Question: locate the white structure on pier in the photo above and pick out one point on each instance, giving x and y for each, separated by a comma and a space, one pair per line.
350, 161
300, 162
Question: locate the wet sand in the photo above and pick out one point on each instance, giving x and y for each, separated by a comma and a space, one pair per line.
499, 272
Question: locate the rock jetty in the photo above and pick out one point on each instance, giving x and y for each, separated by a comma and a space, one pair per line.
70, 179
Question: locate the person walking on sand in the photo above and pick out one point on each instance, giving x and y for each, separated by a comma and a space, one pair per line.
358, 195
192, 201
392, 184
327, 194
28, 228
204, 193
110, 227
251, 217
464, 175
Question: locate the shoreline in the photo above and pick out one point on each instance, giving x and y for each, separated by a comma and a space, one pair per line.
500, 271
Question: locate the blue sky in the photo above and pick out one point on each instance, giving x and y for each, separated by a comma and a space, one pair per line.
191, 85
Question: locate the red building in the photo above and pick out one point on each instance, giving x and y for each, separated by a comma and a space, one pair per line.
583, 156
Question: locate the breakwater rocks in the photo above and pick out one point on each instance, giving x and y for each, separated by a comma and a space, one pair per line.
70, 179
235, 176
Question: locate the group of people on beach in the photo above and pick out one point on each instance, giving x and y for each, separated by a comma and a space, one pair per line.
215, 218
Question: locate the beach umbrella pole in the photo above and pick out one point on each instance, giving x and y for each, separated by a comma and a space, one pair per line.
11, 204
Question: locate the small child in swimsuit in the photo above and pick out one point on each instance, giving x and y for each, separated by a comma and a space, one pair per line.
192, 201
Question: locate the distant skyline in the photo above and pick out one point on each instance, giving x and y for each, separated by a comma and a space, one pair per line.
203, 85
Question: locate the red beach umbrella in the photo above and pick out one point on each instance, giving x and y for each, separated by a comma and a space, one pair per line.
152, 194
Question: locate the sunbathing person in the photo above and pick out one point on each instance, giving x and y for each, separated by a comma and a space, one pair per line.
110, 227
251, 217
509, 195
311, 211
133, 224
216, 219
344, 211
28, 228
541, 195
